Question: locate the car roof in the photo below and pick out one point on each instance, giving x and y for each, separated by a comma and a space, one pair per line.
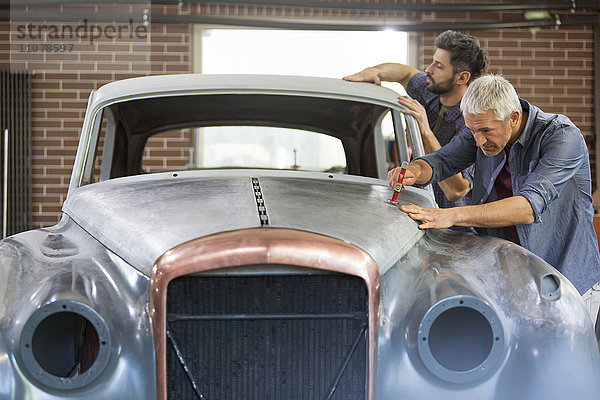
166, 85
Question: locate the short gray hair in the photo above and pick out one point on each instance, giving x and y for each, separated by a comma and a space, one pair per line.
491, 92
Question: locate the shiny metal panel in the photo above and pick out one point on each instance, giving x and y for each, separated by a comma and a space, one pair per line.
550, 349
354, 212
65, 263
140, 218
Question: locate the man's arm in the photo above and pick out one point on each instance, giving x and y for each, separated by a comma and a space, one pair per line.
456, 187
391, 72
514, 210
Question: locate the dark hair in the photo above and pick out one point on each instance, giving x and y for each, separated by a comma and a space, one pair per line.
465, 53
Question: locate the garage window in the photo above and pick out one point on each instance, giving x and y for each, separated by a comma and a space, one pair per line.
247, 147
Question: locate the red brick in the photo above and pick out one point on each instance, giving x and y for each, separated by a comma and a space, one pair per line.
17, 56
178, 29
113, 67
536, 44
167, 39
549, 90
95, 76
72, 124
96, 57
570, 81
39, 67
126, 76
61, 56
144, 49
517, 53
60, 76
554, 54
536, 81
567, 63
55, 94
131, 57
178, 49
165, 58
68, 84
579, 72
572, 35
544, 71
579, 54
78, 66
571, 44
46, 180
46, 104
113, 47
177, 68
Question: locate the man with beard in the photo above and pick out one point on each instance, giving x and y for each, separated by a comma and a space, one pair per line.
435, 103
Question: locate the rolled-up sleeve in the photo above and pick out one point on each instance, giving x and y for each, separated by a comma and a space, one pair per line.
561, 154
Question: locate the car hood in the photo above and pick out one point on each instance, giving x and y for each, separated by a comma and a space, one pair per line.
139, 218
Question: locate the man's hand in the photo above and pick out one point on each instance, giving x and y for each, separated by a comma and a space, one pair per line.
431, 217
414, 108
366, 75
412, 174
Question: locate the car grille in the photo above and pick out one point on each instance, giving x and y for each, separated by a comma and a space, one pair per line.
267, 337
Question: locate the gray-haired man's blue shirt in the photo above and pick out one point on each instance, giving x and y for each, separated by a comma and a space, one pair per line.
550, 167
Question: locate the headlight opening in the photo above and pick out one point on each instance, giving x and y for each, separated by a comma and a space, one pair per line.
65, 344
461, 339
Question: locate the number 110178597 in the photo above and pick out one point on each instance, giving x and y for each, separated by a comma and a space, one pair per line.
46, 48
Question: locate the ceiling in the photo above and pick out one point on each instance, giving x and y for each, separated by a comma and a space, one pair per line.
316, 14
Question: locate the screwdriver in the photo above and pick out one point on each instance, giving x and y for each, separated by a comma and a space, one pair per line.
398, 186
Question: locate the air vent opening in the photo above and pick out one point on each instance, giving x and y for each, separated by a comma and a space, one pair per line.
461, 339
65, 345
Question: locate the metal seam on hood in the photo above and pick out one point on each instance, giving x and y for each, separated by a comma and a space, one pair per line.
260, 203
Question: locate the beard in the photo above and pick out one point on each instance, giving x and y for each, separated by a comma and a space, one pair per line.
440, 87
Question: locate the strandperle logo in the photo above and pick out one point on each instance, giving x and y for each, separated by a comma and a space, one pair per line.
83, 31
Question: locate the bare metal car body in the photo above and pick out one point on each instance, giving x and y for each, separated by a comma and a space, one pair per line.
266, 284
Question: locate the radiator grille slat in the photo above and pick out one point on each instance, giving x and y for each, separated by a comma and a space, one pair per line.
268, 358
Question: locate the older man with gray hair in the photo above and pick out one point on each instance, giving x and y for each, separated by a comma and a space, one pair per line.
532, 182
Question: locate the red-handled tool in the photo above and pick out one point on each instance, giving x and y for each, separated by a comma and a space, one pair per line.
398, 186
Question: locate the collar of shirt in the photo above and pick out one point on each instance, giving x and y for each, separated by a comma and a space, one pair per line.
525, 137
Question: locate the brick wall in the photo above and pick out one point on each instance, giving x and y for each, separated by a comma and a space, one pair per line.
167, 151
63, 80
553, 69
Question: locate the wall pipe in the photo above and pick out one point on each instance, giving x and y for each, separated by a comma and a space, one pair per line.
352, 5
5, 187
596, 100
347, 25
